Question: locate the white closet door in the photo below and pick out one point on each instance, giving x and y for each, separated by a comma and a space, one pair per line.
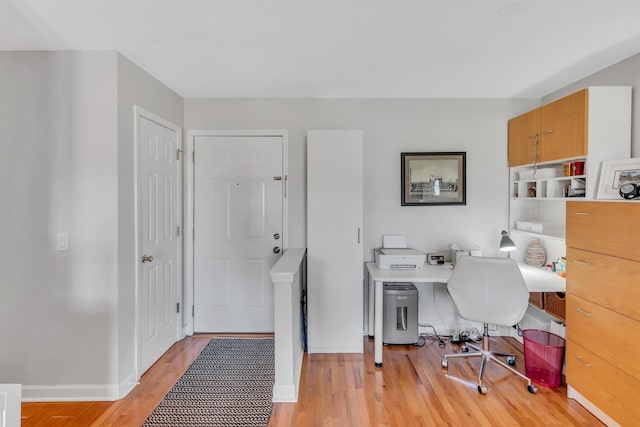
334, 241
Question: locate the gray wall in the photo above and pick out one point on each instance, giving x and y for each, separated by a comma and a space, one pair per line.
66, 163
58, 166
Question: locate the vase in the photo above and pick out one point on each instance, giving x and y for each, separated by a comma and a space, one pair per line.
535, 254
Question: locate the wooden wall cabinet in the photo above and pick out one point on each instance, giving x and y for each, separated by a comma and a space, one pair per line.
555, 131
603, 315
561, 129
523, 131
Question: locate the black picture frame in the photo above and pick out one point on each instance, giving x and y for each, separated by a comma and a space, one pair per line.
435, 178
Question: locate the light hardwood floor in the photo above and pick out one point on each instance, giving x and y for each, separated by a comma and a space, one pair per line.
347, 390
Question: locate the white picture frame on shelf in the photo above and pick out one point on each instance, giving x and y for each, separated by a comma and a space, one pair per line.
616, 173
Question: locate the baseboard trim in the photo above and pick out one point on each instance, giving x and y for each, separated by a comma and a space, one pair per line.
572, 393
289, 393
10, 408
285, 393
349, 350
78, 392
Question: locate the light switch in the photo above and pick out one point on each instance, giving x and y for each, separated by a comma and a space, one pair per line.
62, 242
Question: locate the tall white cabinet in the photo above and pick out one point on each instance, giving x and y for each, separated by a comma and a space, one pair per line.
334, 241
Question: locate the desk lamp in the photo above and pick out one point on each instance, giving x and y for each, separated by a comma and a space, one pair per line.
506, 244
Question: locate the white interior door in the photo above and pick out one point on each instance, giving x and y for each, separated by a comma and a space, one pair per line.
158, 236
238, 221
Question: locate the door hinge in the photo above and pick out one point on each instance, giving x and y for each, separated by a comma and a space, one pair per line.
193, 157
193, 311
178, 231
177, 307
178, 152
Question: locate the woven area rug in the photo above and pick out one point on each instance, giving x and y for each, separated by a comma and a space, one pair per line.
229, 384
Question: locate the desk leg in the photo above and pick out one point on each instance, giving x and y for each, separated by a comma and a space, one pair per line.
378, 325
371, 325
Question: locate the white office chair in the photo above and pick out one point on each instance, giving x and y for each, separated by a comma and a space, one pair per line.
491, 291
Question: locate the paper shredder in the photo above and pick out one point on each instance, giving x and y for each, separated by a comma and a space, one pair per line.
400, 313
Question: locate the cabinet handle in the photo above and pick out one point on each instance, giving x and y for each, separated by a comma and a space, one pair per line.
358, 235
577, 261
582, 213
585, 313
584, 362
548, 131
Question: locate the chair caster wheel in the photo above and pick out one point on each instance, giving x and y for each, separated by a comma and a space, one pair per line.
444, 363
482, 389
511, 360
464, 349
531, 389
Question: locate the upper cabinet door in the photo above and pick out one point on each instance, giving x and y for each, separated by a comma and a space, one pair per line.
523, 131
563, 128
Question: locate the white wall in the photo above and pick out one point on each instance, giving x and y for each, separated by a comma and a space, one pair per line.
390, 127
67, 318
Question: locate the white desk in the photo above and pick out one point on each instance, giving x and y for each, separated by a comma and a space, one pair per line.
537, 280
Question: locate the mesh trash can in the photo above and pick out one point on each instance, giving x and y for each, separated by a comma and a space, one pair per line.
543, 357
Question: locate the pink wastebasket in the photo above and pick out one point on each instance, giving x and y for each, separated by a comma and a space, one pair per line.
543, 357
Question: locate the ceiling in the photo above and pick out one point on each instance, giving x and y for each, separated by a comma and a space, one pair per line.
340, 48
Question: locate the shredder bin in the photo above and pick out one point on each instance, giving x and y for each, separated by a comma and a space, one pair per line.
543, 357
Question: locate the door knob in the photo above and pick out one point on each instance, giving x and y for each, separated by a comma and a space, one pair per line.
147, 258
276, 236
276, 250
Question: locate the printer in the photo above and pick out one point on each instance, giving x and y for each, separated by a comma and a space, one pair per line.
394, 254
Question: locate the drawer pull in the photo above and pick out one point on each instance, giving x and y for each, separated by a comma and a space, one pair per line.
581, 311
577, 261
583, 213
584, 362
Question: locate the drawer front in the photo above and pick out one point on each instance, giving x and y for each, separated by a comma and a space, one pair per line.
604, 227
607, 281
610, 335
605, 385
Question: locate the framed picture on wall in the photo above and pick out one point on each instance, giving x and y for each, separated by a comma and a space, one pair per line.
616, 173
433, 178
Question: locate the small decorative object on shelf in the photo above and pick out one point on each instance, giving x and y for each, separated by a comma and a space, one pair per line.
535, 254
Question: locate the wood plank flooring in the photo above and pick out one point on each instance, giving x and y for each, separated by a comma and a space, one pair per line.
347, 390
